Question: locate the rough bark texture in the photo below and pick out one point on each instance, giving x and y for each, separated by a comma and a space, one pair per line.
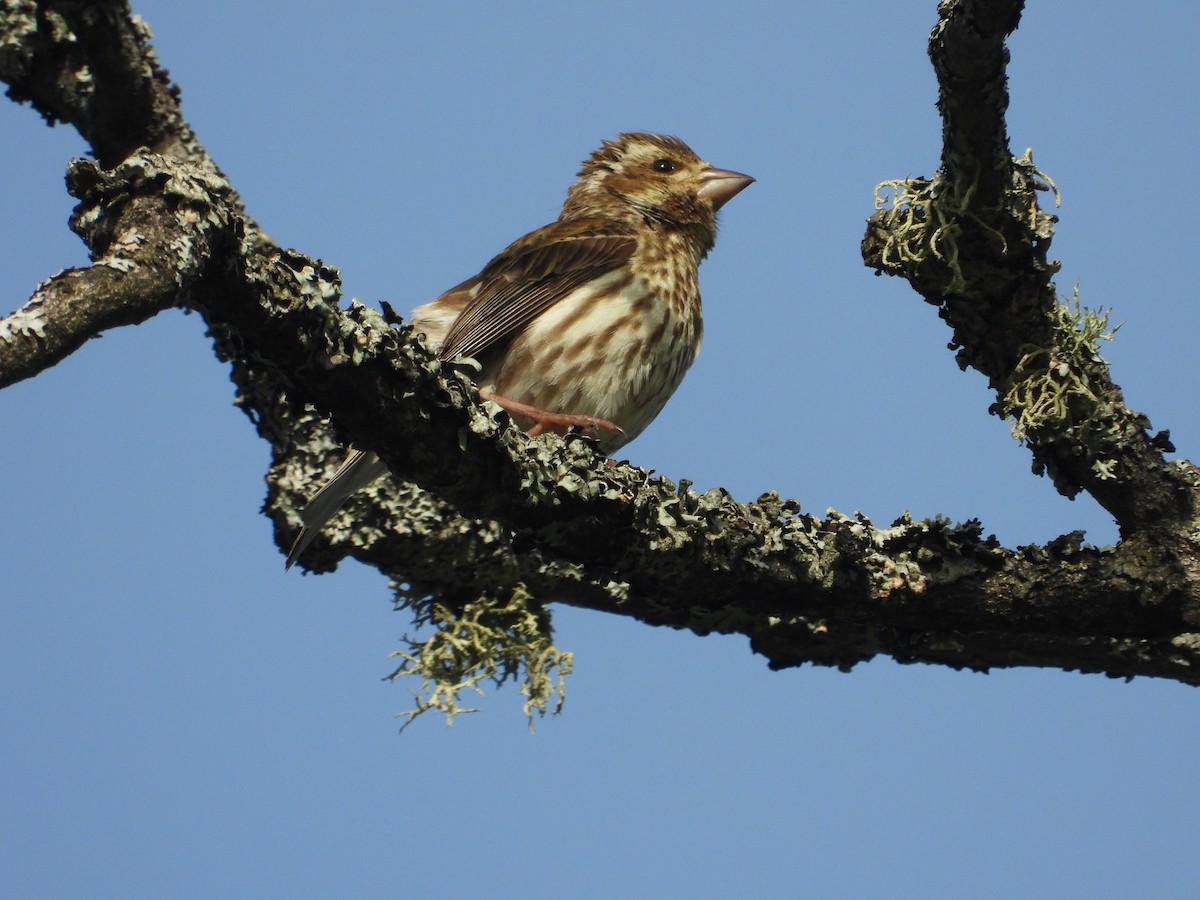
477, 507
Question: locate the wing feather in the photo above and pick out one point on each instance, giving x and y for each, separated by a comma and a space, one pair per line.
532, 275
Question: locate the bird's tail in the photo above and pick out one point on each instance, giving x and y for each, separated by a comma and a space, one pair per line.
359, 469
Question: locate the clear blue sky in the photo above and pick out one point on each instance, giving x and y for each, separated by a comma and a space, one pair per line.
180, 718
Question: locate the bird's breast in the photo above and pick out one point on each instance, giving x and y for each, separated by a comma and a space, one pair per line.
616, 348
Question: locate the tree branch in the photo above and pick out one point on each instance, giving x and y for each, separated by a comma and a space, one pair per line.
496, 507
973, 242
137, 273
89, 64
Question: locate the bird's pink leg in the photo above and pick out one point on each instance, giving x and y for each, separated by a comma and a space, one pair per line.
543, 420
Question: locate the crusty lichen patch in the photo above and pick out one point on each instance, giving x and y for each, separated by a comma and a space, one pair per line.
490, 639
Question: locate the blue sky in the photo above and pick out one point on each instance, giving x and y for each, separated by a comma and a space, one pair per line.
181, 718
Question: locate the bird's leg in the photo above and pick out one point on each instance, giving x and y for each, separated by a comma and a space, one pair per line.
543, 420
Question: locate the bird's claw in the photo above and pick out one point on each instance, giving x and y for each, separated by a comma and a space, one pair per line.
543, 421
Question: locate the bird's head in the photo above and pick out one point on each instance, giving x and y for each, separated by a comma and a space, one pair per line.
656, 179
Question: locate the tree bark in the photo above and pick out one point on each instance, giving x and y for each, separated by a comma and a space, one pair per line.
475, 507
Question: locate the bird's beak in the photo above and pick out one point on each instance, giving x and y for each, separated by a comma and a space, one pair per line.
720, 185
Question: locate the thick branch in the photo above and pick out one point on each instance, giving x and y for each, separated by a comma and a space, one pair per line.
89, 63
555, 516
560, 519
973, 242
73, 306
969, 56
137, 273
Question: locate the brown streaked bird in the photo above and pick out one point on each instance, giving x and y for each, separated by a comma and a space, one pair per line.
589, 322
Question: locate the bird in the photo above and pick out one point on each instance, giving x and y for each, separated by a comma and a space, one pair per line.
587, 323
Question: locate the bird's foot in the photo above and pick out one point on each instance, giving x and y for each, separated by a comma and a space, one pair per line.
545, 421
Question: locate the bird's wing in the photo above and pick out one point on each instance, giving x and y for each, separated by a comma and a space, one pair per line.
532, 275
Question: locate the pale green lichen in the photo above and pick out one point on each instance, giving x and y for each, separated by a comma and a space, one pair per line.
1033, 177
1052, 390
28, 321
925, 218
906, 201
18, 30
1189, 641
490, 639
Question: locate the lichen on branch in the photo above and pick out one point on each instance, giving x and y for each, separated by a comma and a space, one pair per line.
505, 637
1056, 392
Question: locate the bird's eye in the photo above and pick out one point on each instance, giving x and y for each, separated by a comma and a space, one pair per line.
664, 165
